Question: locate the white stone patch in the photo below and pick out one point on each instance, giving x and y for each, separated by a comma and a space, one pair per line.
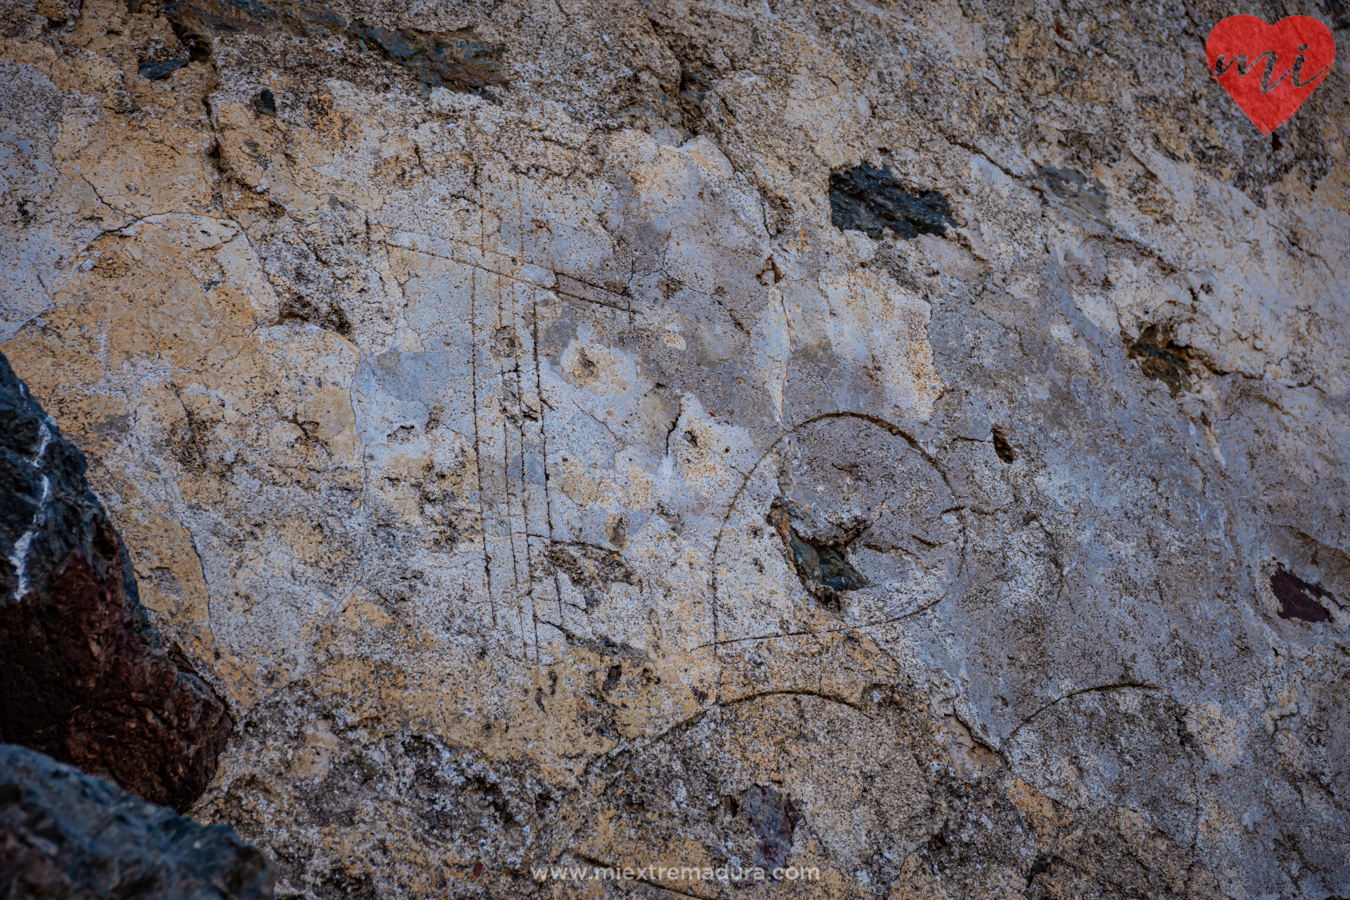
880, 327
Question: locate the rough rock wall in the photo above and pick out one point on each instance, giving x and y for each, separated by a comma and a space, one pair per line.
64, 834
902, 439
84, 676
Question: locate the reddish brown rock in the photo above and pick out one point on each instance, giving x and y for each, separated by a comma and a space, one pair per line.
84, 676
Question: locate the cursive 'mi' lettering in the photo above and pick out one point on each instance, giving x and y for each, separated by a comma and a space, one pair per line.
1243, 67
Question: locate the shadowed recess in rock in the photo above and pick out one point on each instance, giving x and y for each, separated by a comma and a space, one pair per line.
1077, 192
265, 104
820, 566
1040, 867
156, 69
225, 17
458, 60
772, 817
1162, 358
1002, 446
1298, 599
872, 200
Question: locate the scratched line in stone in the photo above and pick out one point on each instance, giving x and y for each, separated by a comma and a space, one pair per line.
560, 283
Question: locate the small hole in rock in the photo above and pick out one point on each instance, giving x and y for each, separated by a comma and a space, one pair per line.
1299, 599
265, 103
825, 570
1162, 358
1004, 449
1040, 867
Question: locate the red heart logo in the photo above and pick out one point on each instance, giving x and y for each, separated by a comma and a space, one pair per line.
1270, 69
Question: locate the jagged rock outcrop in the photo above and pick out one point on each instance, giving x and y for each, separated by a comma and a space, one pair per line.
901, 440
64, 834
84, 676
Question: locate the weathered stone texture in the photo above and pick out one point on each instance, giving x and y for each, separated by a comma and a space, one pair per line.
64, 834
548, 477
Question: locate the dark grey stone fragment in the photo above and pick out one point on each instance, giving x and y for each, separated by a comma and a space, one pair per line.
872, 200
157, 69
67, 834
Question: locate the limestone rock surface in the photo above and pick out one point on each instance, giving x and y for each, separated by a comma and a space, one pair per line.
906, 441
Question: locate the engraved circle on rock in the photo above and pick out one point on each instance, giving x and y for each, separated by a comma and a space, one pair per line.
851, 482
865, 518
